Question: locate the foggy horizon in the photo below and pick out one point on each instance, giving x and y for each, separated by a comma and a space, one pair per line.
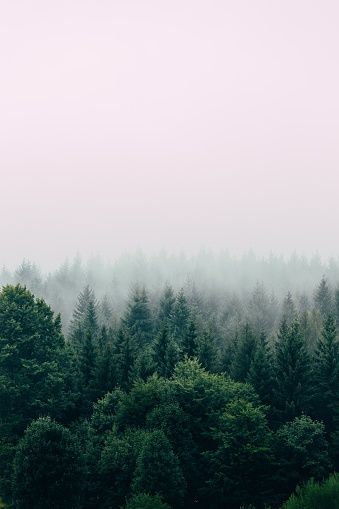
176, 127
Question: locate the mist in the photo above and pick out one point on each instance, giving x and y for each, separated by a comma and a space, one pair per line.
179, 127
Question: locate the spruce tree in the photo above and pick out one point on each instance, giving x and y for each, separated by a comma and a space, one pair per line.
292, 384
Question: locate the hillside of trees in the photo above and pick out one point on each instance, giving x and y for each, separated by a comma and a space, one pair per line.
170, 382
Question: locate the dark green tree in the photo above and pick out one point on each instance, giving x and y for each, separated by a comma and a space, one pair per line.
244, 353
241, 460
137, 318
166, 305
323, 298
326, 376
261, 372
158, 470
302, 453
47, 468
146, 501
292, 384
180, 317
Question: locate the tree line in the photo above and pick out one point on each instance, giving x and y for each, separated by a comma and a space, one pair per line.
175, 401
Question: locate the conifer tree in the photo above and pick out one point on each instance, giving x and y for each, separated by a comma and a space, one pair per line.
292, 384
260, 373
137, 318
323, 298
326, 376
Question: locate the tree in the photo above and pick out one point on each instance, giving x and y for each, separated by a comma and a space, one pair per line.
292, 384
165, 351
137, 318
158, 470
47, 468
301, 452
241, 459
326, 377
289, 310
315, 495
261, 373
166, 304
35, 370
244, 354
323, 298
180, 317
146, 501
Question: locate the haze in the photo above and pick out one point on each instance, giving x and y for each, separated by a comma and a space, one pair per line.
175, 125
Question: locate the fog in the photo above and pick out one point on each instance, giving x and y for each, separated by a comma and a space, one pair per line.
180, 125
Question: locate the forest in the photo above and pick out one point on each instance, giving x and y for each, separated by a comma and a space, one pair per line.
170, 382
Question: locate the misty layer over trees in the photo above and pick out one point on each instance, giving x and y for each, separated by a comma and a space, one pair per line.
170, 382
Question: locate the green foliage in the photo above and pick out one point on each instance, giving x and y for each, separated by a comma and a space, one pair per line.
158, 470
292, 387
301, 452
146, 501
35, 373
314, 495
137, 318
47, 468
326, 379
241, 459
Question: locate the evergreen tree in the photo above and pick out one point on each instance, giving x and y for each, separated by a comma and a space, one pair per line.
326, 376
166, 305
302, 453
261, 373
289, 310
292, 384
244, 354
180, 317
137, 317
190, 342
158, 470
323, 298
47, 468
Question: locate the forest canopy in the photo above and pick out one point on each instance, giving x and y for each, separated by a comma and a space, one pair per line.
169, 383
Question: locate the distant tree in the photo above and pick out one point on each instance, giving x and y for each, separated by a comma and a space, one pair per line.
288, 309
47, 468
180, 317
323, 298
262, 309
166, 305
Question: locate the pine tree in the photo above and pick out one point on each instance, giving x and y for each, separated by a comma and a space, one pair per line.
158, 470
289, 310
180, 317
260, 373
137, 318
326, 376
292, 384
244, 354
323, 298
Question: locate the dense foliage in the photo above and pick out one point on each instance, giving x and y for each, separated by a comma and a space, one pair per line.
178, 397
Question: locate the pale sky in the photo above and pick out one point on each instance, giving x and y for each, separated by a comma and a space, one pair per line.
171, 124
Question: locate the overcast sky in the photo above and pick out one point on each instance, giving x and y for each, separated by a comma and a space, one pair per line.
169, 124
